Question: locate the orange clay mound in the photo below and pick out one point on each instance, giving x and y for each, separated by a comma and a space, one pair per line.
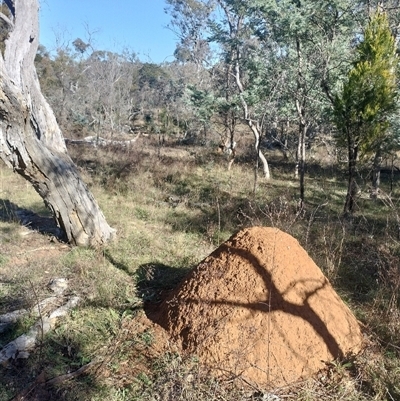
259, 308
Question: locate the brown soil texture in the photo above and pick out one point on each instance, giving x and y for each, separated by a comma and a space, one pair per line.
260, 309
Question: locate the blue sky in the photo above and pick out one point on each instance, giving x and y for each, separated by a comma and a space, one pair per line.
139, 25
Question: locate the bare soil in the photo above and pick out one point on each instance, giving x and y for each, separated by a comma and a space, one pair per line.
260, 309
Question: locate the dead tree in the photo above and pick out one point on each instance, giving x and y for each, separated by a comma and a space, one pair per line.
30, 139
228, 147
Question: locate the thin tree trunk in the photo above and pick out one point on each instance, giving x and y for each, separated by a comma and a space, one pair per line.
303, 125
253, 126
31, 141
392, 174
256, 172
302, 160
352, 184
376, 174
301, 151
229, 120
256, 133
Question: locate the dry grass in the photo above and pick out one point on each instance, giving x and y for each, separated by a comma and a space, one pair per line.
170, 212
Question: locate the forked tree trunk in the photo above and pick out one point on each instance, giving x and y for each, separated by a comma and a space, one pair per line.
254, 126
256, 132
235, 26
31, 141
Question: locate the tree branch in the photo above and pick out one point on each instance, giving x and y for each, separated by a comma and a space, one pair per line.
6, 20
11, 5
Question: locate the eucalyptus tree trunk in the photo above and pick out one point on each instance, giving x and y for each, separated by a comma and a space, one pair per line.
253, 125
376, 174
30, 139
303, 124
352, 187
300, 169
235, 27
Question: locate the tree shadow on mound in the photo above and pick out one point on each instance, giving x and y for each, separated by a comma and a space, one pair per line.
276, 301
10, 212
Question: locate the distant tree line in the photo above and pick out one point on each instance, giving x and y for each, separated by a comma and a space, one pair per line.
109, 94
294, 72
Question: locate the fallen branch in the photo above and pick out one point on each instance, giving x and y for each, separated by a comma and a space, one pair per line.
57, 286
26, 391
21, 346
72, 375
42, 248
99, 141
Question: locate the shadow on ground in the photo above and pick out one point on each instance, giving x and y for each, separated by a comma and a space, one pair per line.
155, 280
10, 212
40, 377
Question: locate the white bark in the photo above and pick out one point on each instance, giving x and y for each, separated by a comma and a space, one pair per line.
235, 26
253, 126
31, 141
96, 141
22, 345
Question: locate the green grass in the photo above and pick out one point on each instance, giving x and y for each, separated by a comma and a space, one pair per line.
169, 215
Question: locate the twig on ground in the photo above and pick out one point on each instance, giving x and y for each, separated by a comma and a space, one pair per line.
40, 380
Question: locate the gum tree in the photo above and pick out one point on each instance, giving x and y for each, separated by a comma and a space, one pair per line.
311, 41
363, 109
224, 24
31, 141
234, 36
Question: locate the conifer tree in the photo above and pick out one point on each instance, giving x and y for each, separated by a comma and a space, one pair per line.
368, 99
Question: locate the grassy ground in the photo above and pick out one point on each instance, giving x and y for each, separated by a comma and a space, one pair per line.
171, 210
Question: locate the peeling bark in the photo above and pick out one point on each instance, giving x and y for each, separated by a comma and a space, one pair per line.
31, 141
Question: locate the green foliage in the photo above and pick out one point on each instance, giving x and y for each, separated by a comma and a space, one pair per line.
190, 18
204, 103
151, 74
368, 98
80, 46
